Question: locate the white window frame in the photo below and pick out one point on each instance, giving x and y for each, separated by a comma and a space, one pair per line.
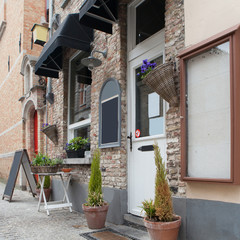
27, 78
80, 124
146, 45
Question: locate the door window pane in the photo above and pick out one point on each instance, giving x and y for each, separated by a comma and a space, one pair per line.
149, 19
149, 108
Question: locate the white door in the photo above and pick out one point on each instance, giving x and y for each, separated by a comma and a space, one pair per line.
146, 115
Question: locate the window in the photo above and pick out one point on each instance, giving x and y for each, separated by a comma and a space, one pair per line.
79, 111
147, 17
210, 109
27, 79
110, 114
149, 107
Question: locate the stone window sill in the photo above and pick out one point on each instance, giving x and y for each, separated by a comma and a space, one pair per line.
77, 161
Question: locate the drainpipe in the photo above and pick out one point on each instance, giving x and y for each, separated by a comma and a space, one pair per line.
49, 95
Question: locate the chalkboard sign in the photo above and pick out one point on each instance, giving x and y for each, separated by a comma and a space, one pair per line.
110, 121
20, 157
110, 114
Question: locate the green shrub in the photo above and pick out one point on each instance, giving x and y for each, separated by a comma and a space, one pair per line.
161, 209
44, 160
47, 182
163, 197
95, 197
149, 208
77, 143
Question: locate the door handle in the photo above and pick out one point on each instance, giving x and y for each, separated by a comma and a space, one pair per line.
146, 148
130, 138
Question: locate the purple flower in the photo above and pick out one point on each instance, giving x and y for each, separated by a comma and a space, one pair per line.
145, 61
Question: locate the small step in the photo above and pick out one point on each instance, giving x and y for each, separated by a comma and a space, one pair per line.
134, 221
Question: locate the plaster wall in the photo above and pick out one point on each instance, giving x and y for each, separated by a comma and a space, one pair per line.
204, 19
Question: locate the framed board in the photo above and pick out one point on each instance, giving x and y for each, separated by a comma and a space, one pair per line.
20, 157
110, 114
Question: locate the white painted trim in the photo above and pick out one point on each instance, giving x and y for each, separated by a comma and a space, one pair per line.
6, 155
150, 49
11, 128
14, 65
83, 123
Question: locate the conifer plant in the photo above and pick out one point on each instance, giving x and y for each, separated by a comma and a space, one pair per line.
161, 209
96, 208
160, 221
95, 197
163, 198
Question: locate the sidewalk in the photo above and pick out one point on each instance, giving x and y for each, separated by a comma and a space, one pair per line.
20, 219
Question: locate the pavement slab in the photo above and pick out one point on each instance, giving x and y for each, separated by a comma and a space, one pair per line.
19, 219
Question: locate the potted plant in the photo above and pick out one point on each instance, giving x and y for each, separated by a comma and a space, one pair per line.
96, 208
42, 163
160, 79
46, 188
160, 221
76, 147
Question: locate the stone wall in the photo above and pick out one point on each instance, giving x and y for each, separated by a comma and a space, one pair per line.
174, 43
113, 159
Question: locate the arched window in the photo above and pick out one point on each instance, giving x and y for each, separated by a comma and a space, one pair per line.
27, 79
110, 114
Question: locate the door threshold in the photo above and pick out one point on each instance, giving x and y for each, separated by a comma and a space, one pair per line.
134, 221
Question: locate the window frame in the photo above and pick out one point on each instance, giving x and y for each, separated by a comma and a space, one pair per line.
80, 124
233, 36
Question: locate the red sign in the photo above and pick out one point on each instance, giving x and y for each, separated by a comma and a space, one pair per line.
137, 133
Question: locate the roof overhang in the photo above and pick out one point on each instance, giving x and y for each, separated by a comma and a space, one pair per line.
69, 34
99, 14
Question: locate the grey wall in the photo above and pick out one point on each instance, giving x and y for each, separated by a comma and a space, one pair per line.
77, 193
208, 220
201, 219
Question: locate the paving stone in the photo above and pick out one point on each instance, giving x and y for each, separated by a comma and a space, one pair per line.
20, 219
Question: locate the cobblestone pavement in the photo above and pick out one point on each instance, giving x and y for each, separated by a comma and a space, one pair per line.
19, 219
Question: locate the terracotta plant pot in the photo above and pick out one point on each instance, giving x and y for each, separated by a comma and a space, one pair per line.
163, 230
47, 192
96, 216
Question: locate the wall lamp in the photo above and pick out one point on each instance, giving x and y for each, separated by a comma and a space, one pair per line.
92, 62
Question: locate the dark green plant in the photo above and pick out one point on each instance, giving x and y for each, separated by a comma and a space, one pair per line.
47, 183
77, 143
163, 198
95, 197
44, 160
149, 208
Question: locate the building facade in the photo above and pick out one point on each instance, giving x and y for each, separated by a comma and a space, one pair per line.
121, 115
21, 96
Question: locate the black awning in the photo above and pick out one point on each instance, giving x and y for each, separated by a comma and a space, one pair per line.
70, 34
99, 14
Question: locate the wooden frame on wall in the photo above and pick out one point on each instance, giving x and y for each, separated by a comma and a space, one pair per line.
233, 36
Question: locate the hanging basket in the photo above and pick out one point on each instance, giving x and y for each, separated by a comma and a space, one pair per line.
161, 80
51, 132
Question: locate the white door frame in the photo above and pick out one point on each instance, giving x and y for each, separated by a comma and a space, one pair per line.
150, 49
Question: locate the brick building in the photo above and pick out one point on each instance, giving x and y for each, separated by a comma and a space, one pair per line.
198, 137
20, 97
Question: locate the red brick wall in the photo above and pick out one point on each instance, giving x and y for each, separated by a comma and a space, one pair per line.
20, 16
